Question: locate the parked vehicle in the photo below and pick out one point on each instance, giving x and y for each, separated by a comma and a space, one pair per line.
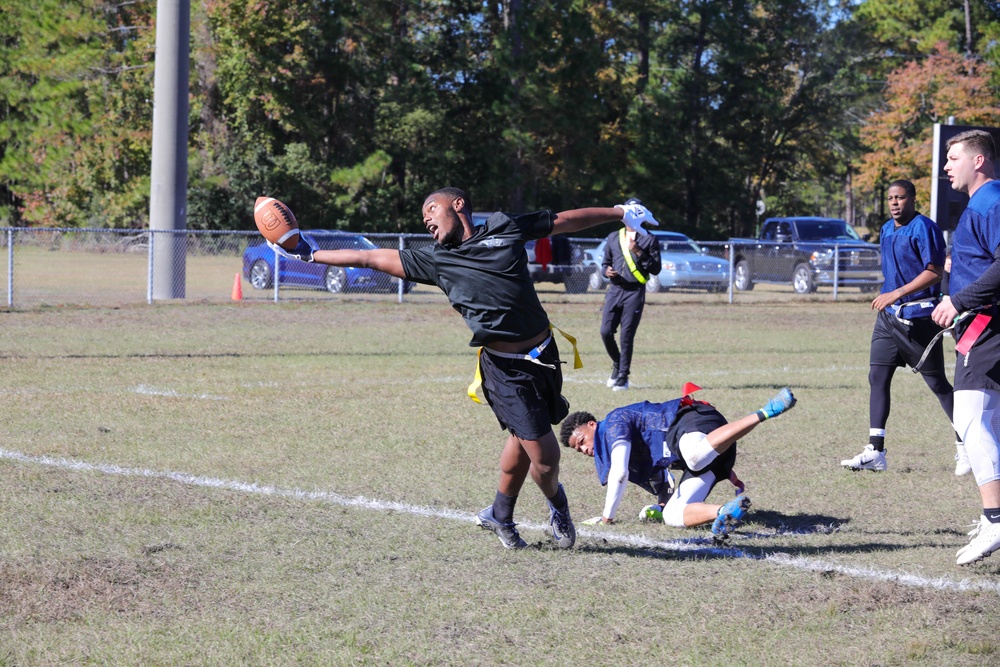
807, 252
684, 264
258, 267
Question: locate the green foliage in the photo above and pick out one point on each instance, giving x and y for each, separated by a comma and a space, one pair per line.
351, 112
900, 136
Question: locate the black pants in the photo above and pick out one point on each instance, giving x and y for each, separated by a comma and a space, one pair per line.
622, 307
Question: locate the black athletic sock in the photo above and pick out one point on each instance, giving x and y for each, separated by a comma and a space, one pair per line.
992, 514
877, 441
503, 508
559, 500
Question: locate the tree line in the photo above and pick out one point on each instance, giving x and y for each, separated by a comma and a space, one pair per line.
351, 111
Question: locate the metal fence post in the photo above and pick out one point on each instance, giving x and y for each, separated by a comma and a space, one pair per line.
10, 268
277, 274
402, 281
732, 278
836, 269
149, 268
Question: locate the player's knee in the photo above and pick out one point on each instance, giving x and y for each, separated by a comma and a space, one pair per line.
673, 513
938, 384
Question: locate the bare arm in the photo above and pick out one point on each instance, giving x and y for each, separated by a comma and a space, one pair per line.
926, 278
575, 220
383, 259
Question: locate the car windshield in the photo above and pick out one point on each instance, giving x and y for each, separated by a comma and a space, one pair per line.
343, 242
679, 246
810, 230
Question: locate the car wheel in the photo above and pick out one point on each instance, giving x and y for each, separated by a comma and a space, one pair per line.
595, 282
335, 279
576, 283
802, 281
260, 274
653, 284
741, 279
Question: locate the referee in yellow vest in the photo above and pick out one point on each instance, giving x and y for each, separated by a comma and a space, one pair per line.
629, 260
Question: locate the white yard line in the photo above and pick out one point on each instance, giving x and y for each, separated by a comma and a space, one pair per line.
696, 545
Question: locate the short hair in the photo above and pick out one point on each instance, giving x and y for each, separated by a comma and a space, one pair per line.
911, 189
452, 193
976, 142
570, 424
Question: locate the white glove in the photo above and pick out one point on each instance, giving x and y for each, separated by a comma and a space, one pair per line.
634, 215
593, 522
302, 252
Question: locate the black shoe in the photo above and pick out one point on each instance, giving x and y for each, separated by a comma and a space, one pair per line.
614, 375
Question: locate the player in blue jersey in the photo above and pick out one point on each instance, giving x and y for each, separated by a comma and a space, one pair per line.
974, 293
913, 256
641, 443
484, 272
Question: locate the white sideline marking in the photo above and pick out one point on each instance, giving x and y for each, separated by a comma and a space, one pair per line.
697, 544
153, 391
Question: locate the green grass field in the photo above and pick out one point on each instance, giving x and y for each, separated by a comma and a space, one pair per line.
264, 484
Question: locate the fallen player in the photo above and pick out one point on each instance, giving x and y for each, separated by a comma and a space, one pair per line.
643, 442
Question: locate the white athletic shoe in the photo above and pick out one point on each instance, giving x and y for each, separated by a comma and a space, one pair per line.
621, 384
869, 459
962, 465
985, 540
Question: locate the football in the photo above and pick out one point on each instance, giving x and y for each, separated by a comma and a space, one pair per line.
276, 222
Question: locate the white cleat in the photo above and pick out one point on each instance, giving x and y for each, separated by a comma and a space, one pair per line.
869, 459
985, 540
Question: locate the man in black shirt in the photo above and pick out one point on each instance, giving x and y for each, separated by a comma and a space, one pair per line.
484, 272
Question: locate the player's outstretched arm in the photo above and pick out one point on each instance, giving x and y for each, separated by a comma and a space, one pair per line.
382, 259
575, 220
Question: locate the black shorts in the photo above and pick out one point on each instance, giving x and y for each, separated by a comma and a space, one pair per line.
526, 397
981, 370
898, 344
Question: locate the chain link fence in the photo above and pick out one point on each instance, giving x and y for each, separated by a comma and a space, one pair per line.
115, 267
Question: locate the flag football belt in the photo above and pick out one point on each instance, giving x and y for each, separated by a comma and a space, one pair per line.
531, 355
967, 340
914, 306
623, 242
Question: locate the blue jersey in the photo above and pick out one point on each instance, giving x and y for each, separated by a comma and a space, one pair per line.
908, 250
645, 426
977, 237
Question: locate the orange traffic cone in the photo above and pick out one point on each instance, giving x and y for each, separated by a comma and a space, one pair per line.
237, 289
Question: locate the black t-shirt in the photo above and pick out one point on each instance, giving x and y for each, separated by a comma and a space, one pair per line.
486, 277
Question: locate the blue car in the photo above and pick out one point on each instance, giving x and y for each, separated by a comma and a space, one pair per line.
258, 267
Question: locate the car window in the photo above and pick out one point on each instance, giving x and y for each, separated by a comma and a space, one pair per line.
826, 229
769, 230
680, 246
343, 242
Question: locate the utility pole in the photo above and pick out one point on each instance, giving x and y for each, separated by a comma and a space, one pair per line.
168, 175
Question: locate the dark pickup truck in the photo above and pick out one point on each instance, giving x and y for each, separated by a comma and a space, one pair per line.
807, 252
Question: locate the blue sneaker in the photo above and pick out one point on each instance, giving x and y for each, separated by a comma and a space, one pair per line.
782, 402
506, 532
730, 516
561, 528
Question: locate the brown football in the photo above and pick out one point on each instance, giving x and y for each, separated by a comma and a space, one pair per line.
276, 222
